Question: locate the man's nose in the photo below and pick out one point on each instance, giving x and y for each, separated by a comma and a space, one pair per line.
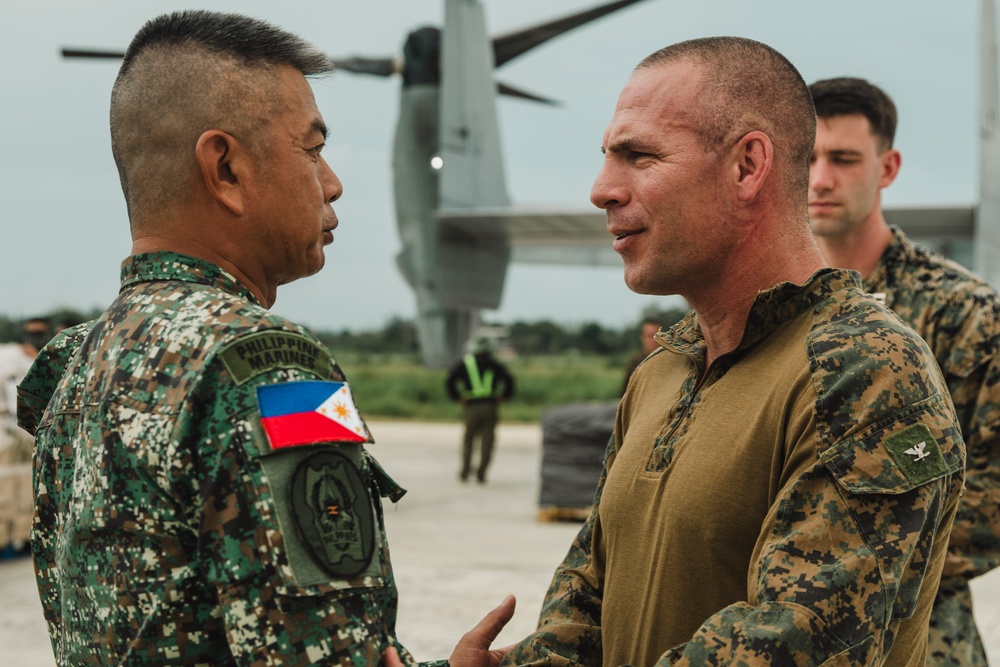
332, 187
820, 175
607, 190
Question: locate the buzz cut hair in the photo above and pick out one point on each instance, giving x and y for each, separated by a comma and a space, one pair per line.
189, 72
750, 86
849, 96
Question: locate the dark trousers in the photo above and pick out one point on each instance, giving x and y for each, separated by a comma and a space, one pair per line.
480, 423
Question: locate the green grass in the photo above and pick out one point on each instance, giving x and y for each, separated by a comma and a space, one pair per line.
399, 387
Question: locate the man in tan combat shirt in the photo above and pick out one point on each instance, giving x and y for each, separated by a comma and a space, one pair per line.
785, 470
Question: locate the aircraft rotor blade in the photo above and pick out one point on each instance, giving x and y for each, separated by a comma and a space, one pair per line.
511, 91
358, 65
372, 66
92, 53
509, 46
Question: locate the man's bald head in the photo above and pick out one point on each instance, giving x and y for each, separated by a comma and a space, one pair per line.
186, 73
750, 86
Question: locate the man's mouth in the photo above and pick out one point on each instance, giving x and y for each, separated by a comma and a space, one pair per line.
328, 230
624, 238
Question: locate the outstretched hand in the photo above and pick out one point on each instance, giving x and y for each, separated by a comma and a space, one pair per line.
473, 649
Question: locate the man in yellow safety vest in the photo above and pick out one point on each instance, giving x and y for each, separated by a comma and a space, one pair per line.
480, 383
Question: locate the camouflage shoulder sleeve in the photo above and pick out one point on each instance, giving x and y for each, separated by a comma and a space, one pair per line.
569, 627
862, 519
844, 551
37, 387
972, 371
287, 508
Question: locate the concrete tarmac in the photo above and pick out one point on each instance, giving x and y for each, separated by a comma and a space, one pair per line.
457, 549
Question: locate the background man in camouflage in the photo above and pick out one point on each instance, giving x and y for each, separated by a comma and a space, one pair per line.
203, 491
956, 313
785, 470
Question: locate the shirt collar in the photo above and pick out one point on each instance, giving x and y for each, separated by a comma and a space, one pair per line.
153, 266
889, 272
771, 308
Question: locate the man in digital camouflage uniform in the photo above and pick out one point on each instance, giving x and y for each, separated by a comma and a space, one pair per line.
785, 471
203, 492
955, 312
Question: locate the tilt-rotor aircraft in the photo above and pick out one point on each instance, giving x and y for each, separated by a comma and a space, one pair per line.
458, 228
453, 212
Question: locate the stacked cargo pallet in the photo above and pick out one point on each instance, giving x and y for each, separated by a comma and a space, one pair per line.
574, 440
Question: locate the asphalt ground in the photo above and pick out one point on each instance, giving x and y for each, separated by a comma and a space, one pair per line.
457, 549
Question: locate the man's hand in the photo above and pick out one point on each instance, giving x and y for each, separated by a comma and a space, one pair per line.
473, 649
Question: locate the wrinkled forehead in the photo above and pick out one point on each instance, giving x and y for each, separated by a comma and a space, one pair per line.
660, 96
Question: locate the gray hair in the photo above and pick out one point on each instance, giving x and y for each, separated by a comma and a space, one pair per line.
188, 72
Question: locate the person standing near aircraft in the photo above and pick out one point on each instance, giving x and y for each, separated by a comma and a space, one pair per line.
954, 311
203, 490
480, 383
785, 470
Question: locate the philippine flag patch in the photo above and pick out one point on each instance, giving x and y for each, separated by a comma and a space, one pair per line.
305, 413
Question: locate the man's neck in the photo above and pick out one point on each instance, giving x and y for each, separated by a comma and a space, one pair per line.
724, 306
862, 248
195, 248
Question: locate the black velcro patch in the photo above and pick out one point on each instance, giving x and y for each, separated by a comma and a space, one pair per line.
333, 513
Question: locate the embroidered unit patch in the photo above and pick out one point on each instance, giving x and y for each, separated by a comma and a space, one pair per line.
305, 413
333, 513
916, 452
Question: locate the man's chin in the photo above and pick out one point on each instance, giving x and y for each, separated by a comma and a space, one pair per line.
827, 227
318, 266
310, 269
641, 284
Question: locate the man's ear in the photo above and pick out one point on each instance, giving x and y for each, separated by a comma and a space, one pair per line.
753, 158
891, 162
222, 161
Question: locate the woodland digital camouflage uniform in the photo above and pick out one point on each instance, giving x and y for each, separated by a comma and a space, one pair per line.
839, 546
35, 390
959, 317
165, 532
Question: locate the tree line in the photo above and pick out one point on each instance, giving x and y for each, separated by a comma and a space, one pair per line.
399, 335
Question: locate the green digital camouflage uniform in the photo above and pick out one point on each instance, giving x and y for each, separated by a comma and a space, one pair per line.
959, 317
788, 506
167, 530
37, 387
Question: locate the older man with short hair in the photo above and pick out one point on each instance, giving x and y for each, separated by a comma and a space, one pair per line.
204, 494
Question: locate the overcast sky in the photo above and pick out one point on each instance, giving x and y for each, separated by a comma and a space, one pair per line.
63, 225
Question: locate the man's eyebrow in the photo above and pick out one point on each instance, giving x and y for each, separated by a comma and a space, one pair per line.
841, 152
624, 145
319, 126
